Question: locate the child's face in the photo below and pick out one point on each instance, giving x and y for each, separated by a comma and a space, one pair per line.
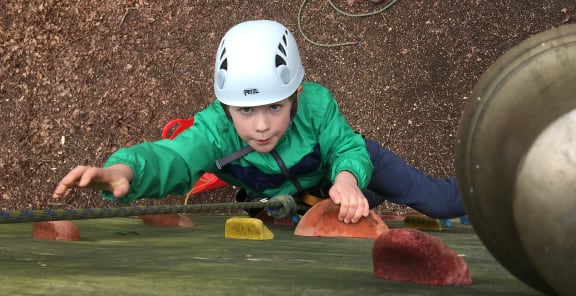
263, 126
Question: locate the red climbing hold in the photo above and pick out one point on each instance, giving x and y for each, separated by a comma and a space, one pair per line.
269, 220
415, 256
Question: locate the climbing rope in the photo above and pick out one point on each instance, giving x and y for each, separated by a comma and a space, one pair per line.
283, 204
390, 3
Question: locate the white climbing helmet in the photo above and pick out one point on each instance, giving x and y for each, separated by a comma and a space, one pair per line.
257, 63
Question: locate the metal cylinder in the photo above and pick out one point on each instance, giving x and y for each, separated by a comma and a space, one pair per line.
545, 204
516, 99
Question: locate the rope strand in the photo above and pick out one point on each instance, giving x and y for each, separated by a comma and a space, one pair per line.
23, 216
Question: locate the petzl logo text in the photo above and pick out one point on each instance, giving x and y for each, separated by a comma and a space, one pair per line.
251, 91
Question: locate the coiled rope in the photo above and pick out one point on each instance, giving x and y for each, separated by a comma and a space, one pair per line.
385, 7
283, 204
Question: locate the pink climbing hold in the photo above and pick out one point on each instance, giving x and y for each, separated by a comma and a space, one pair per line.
55, 230
415, 256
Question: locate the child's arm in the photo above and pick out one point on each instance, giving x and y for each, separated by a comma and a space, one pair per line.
115, 179
353, 204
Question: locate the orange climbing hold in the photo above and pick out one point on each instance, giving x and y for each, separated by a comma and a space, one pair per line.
322, 220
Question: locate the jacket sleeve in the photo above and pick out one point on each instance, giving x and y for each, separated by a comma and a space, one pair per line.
169, 166
344, 149
159, 169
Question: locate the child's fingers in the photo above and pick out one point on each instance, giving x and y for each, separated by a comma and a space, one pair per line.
121, 190
60, 191
72, 178
89, 175
343, 214
335, 195
353, 205
67, 182
349, 210
80, 176
362, 210
357, 215
353, 209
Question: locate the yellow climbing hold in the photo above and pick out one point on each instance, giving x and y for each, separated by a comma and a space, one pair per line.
247, 228
422, 222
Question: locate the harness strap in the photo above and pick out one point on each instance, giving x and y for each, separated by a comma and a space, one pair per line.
285, 171
222, 162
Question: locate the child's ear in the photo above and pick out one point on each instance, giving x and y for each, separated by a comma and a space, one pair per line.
299, 90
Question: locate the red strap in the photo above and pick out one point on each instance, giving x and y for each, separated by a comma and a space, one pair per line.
207, 181
176, 126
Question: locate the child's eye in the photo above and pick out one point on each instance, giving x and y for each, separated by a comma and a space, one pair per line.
275, 107
246, 110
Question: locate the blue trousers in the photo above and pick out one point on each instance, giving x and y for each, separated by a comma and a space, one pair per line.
396, 181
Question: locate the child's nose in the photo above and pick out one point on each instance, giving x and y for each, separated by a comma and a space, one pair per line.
262, 123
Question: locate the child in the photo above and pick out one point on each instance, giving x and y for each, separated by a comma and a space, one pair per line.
269, 133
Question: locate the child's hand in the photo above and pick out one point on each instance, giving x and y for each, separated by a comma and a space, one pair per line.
115, 178
353, 203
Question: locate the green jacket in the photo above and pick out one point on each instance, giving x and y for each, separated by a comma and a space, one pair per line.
318, 145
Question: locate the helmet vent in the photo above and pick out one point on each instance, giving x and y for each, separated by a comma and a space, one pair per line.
280, 61
281, 48
223, 60
224, 65
223, 52
281, 64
